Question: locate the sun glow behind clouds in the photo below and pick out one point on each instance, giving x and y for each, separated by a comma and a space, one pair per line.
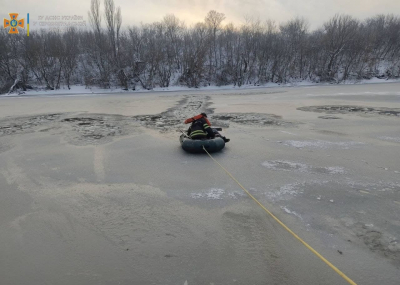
191, 11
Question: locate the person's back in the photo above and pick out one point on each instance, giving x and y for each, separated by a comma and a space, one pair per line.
200, 130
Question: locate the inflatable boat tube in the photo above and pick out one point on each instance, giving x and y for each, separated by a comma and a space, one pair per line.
196, 146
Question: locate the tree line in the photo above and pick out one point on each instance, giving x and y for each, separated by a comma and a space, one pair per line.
169, 52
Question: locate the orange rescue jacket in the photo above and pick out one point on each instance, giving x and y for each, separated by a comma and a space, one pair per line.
188, 121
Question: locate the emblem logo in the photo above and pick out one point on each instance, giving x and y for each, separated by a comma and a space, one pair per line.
13, 23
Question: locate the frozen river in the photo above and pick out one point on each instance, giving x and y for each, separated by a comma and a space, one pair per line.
95, 189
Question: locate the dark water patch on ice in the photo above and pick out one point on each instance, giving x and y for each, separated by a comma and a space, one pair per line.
378, 241
82, 129
98, 128
174, 117
258, 119
333, 133
21, 125
192, 105
327, 117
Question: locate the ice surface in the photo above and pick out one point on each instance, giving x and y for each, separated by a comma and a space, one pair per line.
291, 212
319, 144
301, 167
212, 194
390, 139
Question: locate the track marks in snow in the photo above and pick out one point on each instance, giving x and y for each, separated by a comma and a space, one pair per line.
98, 163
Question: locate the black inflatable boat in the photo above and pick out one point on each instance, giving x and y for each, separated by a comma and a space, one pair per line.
196, 146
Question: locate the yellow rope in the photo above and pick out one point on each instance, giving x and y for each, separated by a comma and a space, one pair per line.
285, 227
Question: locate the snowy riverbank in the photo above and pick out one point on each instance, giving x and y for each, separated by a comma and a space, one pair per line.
80, 89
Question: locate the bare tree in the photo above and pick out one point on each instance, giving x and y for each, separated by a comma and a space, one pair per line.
95, 16
213, 21
196, 43
71, 53
339, 32
168, 52
114, 22
295, 36
98, 50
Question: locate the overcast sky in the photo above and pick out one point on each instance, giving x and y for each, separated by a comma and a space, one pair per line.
191, 11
